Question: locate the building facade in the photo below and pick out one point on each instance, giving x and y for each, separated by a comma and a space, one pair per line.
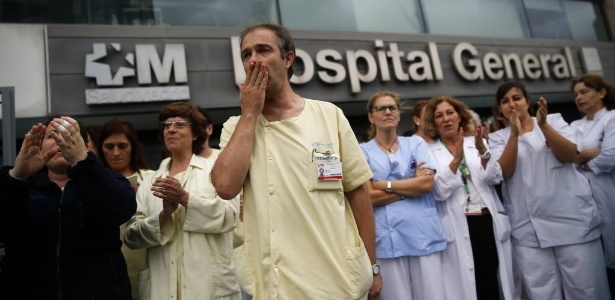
128, 58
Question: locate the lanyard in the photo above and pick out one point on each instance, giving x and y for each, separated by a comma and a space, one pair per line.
465, 173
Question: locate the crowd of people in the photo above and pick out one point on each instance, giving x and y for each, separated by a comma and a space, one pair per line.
292, 206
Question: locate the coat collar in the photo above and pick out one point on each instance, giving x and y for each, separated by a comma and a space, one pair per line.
196, 162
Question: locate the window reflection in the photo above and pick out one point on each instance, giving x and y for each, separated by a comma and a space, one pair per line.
488, 18
550, 19
391, 16
221, 13
217, 13
592, 27
556, 19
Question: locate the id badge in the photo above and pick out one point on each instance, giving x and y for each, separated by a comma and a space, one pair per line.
329, 171
473, 209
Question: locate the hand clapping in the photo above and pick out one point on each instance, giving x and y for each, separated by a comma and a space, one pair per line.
478, 139
67, 135
170, 189
30, 159
541, 115
459, 145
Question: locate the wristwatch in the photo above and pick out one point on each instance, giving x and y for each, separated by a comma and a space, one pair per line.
486, 155
376, 269
389, 188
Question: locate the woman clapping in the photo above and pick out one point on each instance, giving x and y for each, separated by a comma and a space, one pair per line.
186, 228
468, 204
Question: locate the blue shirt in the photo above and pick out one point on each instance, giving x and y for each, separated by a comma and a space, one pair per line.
411, 226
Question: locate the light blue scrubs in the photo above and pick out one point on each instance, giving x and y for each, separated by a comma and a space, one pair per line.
409, 227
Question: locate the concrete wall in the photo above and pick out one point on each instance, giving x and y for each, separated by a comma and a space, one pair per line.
23, 66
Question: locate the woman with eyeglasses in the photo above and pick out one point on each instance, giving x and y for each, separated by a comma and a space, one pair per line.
186, 229
409, 235
554, 219
477, 227
120, 150
595, 136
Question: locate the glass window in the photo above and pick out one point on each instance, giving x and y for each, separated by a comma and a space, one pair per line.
396, 16
485, 18
586, 21
218, 13
318, 15
552, 19
547, 19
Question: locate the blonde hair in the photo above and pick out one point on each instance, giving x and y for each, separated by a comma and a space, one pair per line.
371, 131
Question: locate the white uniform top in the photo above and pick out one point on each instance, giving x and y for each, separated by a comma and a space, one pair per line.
450, 195
600, 133
549, 202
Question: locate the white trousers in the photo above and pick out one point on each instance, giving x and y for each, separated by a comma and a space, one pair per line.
517, 278
571, 272
412, 278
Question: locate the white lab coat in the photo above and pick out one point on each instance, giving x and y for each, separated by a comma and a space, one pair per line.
600, 133
450, 195
190, 256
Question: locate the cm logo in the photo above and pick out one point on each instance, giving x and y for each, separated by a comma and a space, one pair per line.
147, 61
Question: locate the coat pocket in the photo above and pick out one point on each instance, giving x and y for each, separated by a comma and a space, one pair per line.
360, 275
242, 270
223, 275
145, 283
502, 226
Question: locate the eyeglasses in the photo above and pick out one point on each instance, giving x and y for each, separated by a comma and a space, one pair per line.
383, 108
178, 124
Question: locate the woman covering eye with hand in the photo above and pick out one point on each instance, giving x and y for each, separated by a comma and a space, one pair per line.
409, 235
185, 227
468, 205
595, 135
120, 150
554, 219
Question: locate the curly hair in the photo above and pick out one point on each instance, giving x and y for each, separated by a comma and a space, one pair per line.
429, 122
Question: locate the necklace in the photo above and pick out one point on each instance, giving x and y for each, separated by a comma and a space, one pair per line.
389, 148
